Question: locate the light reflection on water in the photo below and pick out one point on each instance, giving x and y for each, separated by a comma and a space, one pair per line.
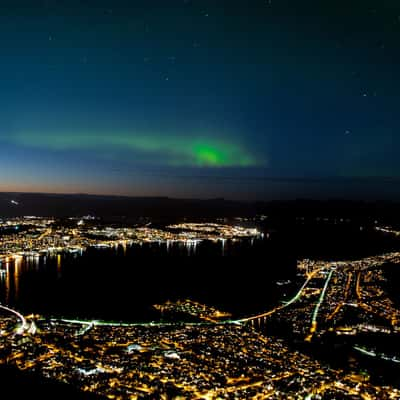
13, 269
97, 282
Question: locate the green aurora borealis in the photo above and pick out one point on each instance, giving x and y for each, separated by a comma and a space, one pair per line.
248, 100
164, 150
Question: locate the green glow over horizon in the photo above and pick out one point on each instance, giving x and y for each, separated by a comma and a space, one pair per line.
168, 150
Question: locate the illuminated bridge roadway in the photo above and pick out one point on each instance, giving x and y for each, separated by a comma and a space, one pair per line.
261, 317
24, 324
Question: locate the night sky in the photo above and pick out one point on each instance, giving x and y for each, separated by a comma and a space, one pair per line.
257, 99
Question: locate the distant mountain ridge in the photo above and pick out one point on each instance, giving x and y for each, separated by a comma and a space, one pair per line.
65, 205
62, 205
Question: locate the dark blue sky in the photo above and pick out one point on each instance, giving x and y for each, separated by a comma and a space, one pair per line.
238, 99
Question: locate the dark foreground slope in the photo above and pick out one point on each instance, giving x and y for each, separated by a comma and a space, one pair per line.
15, 384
